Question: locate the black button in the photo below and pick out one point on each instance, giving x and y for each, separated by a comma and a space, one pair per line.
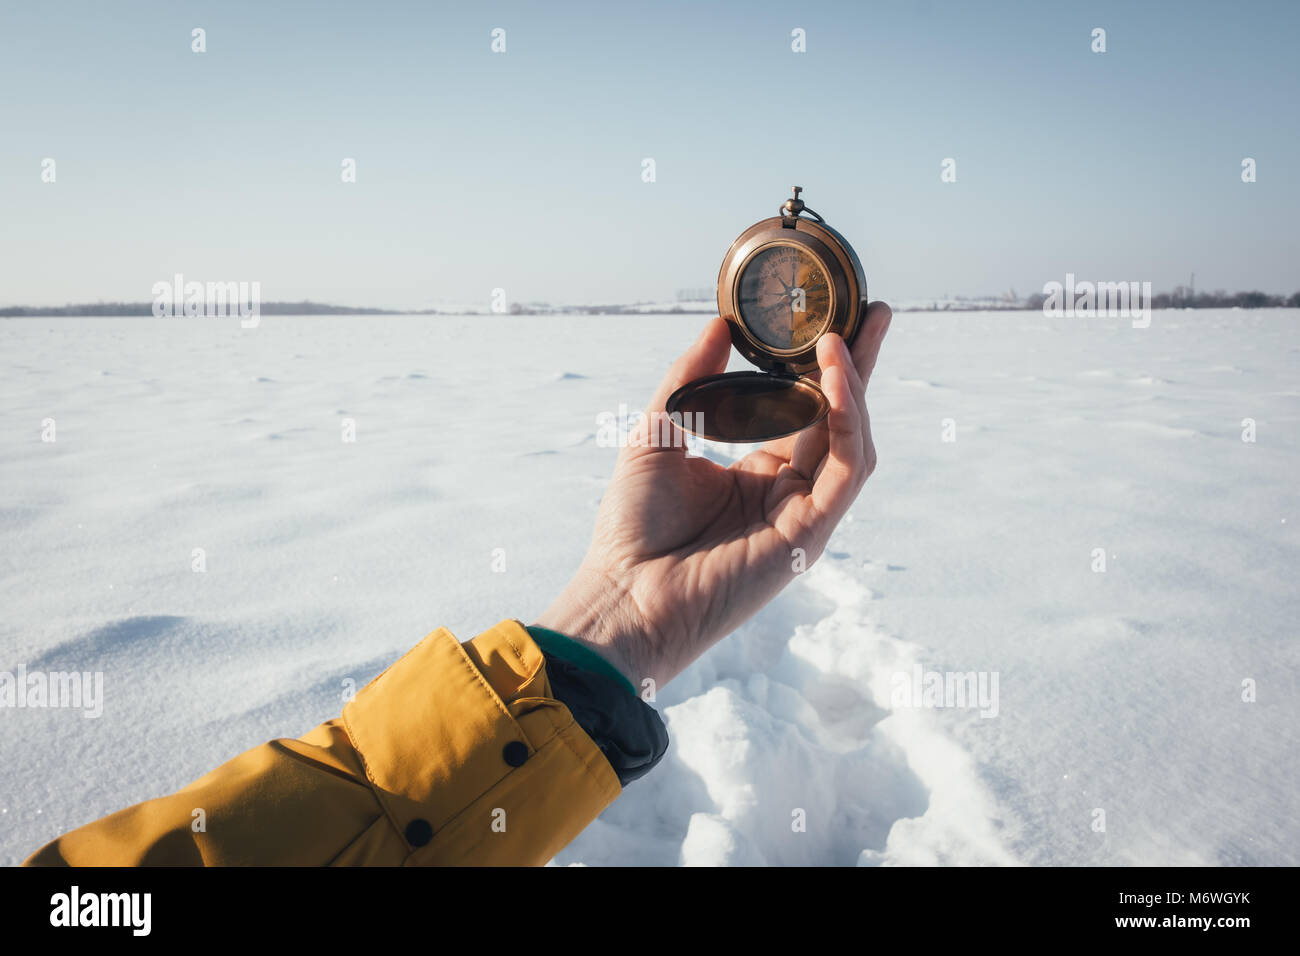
419, 832
515, 753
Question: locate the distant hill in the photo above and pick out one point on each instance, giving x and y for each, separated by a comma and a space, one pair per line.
1180, 298
145, 309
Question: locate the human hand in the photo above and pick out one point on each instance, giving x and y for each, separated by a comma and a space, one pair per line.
685, 550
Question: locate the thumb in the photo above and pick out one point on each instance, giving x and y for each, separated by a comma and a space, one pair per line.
706, 356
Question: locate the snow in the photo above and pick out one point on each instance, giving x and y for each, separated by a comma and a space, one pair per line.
1118, 691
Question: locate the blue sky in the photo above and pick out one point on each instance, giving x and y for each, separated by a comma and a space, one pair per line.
522, 170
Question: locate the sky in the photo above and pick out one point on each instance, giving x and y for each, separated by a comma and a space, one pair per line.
524, 170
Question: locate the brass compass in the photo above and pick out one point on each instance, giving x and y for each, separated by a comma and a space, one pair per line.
784, 283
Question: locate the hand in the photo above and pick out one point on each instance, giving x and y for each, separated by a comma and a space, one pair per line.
685, 550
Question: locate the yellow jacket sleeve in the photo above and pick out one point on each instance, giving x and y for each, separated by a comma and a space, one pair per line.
456, 754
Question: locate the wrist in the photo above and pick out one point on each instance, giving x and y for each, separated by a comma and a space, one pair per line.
555, 644
598, 612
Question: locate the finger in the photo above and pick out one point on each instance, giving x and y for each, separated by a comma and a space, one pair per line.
810, 449
783, 448
866, 346
844, 471
706, 356
794, 446
806, 450
831, 350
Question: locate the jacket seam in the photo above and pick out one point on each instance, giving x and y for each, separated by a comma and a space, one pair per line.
519, 654
584, 760
391, 812
493, 697
316, 764
500, 705
375, 789
333, 861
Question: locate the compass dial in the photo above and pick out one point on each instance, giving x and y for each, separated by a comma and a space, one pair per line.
784, 297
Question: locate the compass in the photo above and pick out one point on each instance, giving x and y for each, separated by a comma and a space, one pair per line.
784, 283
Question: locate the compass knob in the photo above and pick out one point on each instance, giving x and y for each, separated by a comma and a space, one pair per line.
792, 207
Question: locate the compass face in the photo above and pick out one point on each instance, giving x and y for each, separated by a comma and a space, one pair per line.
784, 297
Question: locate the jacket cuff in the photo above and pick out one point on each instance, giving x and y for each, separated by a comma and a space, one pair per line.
628, 731
471, 756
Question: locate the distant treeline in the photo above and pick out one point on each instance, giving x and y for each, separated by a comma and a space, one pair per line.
143, 309
139, 309
1224, 300
543, 308
1182, 298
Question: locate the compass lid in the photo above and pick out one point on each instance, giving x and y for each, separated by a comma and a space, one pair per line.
748, 406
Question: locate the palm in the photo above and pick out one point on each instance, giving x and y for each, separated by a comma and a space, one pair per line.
686, 550
719, 540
